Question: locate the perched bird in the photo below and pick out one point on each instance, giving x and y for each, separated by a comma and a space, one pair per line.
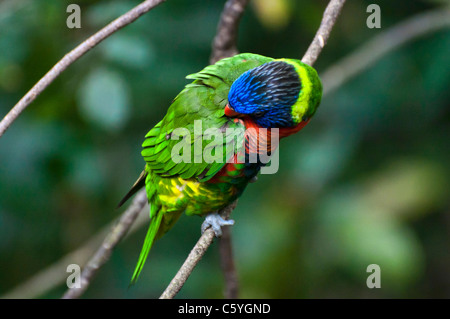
242, 97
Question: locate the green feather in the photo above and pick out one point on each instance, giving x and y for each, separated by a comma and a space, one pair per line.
148, 242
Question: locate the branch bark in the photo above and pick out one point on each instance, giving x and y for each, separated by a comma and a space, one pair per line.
72, 56
103, 253
330, 16
225, 44
194, 257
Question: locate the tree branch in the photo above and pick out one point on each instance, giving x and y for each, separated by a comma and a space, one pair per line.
231, 290
103, 253
330, 16
194, 257
72, 56
224, 44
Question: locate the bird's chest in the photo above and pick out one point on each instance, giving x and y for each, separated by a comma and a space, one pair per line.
257, 146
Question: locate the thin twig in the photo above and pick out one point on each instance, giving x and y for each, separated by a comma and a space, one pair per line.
189, 264
194, 257
385, 42
103, 253
72, 56
330, 16
224, 44
231, 289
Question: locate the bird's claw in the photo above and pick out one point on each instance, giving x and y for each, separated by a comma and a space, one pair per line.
215, 221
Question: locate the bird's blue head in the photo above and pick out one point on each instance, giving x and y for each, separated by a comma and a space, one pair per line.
279, 94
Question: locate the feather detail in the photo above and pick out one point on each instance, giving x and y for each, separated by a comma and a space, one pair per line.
148, 243
140, 182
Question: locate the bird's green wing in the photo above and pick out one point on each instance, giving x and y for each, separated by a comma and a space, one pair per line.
190, 140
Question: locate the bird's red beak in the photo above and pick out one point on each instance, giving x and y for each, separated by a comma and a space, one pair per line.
231, 113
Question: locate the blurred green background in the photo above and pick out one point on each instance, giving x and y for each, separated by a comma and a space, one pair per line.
367, 182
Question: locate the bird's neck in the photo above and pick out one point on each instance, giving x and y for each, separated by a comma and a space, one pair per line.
282, 132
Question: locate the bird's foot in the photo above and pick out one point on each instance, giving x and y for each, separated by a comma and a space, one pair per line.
215, 221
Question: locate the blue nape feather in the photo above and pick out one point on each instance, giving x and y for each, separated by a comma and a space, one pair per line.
267, 93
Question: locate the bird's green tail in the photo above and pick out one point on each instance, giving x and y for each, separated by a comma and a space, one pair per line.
148, 243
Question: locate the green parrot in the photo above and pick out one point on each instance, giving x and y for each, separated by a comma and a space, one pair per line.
210, 145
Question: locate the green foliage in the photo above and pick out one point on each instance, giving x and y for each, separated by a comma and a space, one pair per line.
103, 99
365, 182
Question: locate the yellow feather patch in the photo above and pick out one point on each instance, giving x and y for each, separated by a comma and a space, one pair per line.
172, 190
300, 107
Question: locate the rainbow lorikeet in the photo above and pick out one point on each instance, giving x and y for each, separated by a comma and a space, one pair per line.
241, 98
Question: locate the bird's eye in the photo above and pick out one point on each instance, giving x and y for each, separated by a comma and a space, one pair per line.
258, 114
305, 118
